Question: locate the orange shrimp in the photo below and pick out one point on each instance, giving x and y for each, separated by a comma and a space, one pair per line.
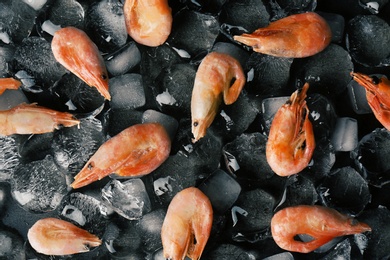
212, 81
9, 83
51, 236
189, 216
136, 151
77, 53
291, 143
321, 223
33, 119
148, 22
295, 36
378, 96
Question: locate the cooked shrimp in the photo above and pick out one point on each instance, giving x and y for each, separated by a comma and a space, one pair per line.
291, 143
189, 217
33, 119
136, 151
378, 96
9, 83
148, 22
51, 236
212, 81
295, 36
76, 52
321, 223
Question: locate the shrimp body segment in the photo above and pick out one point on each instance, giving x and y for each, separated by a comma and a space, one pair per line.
212, 82
51, 236
9, 83
291, 142
33, 119
136, 151
295, 36
73, 49
189, 216
378, 96
148, 22
321, 223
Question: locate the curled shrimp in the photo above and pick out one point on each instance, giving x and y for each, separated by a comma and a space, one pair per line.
378, 96
148, 22
321, 223
212, 81
291, 143
33, 119
9, 83
51, 236
136, 151
295, 36
77, 53
189, 217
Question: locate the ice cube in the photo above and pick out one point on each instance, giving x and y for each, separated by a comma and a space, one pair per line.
39, 186
367, 38
269, 107
232, 50
9, 157
150, 230
222, 190
270, 74
119, 120
193, 31
123, 60
129, 199
345, 135
170, 123
11, 245
127, 91
358, 98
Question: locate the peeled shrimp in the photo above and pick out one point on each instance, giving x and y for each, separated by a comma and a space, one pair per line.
76, 52
33, 119
187, 225
148, 22
321, 223
378, 96
212, 82
291, 143
9, 83
136, 151
51, 236
295, 36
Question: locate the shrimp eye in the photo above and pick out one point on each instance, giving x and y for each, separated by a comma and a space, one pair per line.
91, 165
375, 80
104, 76
196, 124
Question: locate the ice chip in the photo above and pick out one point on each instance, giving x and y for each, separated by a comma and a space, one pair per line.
129, 199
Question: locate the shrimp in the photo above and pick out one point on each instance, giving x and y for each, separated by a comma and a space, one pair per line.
295, 36
136, 151
33, 119
51, 236
77, 53
291, 143
378, 96
148, 22
189, 216
212, 81
9, 83
321, 223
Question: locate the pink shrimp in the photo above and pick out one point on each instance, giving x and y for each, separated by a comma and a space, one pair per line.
33, 119
136, 151
148, 22
51, 236
76, 52
212, 82
291, 143
9, 83
295, 36
321, 223
189, 216
378, 96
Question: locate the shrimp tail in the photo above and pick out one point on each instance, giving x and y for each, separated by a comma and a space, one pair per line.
9, 83
232, 93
